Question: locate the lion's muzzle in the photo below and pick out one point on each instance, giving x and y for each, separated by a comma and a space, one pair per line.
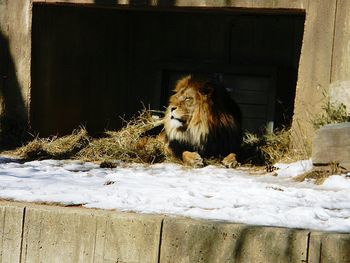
175, 120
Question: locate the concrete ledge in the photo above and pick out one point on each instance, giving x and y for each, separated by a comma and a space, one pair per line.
325, 247
67, 234
42, 233
11, 229
205, 241
56, 235
127, 238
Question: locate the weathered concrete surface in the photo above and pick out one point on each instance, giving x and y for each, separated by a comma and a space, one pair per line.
314, 68
52, 234
125, 237
331, 144
340, 86
329, 248
11, 221
15, 63
189, 241
15, 35
339, 92
43, 233
56, 234
341, 50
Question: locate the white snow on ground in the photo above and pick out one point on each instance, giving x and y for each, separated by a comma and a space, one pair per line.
233, 195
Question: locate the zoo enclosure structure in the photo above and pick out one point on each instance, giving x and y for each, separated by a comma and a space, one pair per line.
87, 62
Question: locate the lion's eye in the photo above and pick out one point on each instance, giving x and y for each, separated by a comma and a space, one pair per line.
188, 99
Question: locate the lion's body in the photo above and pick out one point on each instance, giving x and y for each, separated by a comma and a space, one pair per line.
201, 117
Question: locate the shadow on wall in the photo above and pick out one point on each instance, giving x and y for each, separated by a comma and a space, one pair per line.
13, 122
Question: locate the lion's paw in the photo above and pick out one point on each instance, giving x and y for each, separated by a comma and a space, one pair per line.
192, 159
230, 161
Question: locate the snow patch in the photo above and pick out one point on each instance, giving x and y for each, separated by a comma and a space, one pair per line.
234, 195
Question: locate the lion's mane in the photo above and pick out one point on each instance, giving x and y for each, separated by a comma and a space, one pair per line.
201, 117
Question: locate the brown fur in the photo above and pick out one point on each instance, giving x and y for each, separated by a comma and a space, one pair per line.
202, 118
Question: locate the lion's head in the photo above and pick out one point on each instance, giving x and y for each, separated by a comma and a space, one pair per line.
202, 117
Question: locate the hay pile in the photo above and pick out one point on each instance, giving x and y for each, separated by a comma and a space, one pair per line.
268, 148
55, 147
135, 143
321, 173
130, 144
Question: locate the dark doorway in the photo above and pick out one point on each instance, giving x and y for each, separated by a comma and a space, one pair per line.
92, 65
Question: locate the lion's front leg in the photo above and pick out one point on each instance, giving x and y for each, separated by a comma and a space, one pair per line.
192, 159
230, 161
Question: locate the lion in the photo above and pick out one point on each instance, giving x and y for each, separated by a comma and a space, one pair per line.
202, 121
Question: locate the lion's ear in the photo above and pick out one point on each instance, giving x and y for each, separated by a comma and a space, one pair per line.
206, 89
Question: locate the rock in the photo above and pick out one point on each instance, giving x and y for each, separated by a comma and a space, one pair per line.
331, 144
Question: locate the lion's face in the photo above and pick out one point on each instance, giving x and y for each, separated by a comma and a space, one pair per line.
187, 115
181, 108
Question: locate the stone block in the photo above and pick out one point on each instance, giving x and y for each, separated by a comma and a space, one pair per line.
54, 234
331, 144
128, 237
67, 234
11, 221
187, 241
329, 248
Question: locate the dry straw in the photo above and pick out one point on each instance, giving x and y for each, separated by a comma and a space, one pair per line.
130, 144
134, 142
269, 148
55, 147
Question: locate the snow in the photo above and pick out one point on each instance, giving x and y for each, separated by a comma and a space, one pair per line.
234, 195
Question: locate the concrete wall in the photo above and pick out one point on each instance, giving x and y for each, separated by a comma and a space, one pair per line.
314, 68
324, 56
15, 58
41, 233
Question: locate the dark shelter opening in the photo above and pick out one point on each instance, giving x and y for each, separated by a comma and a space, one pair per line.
91, 65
